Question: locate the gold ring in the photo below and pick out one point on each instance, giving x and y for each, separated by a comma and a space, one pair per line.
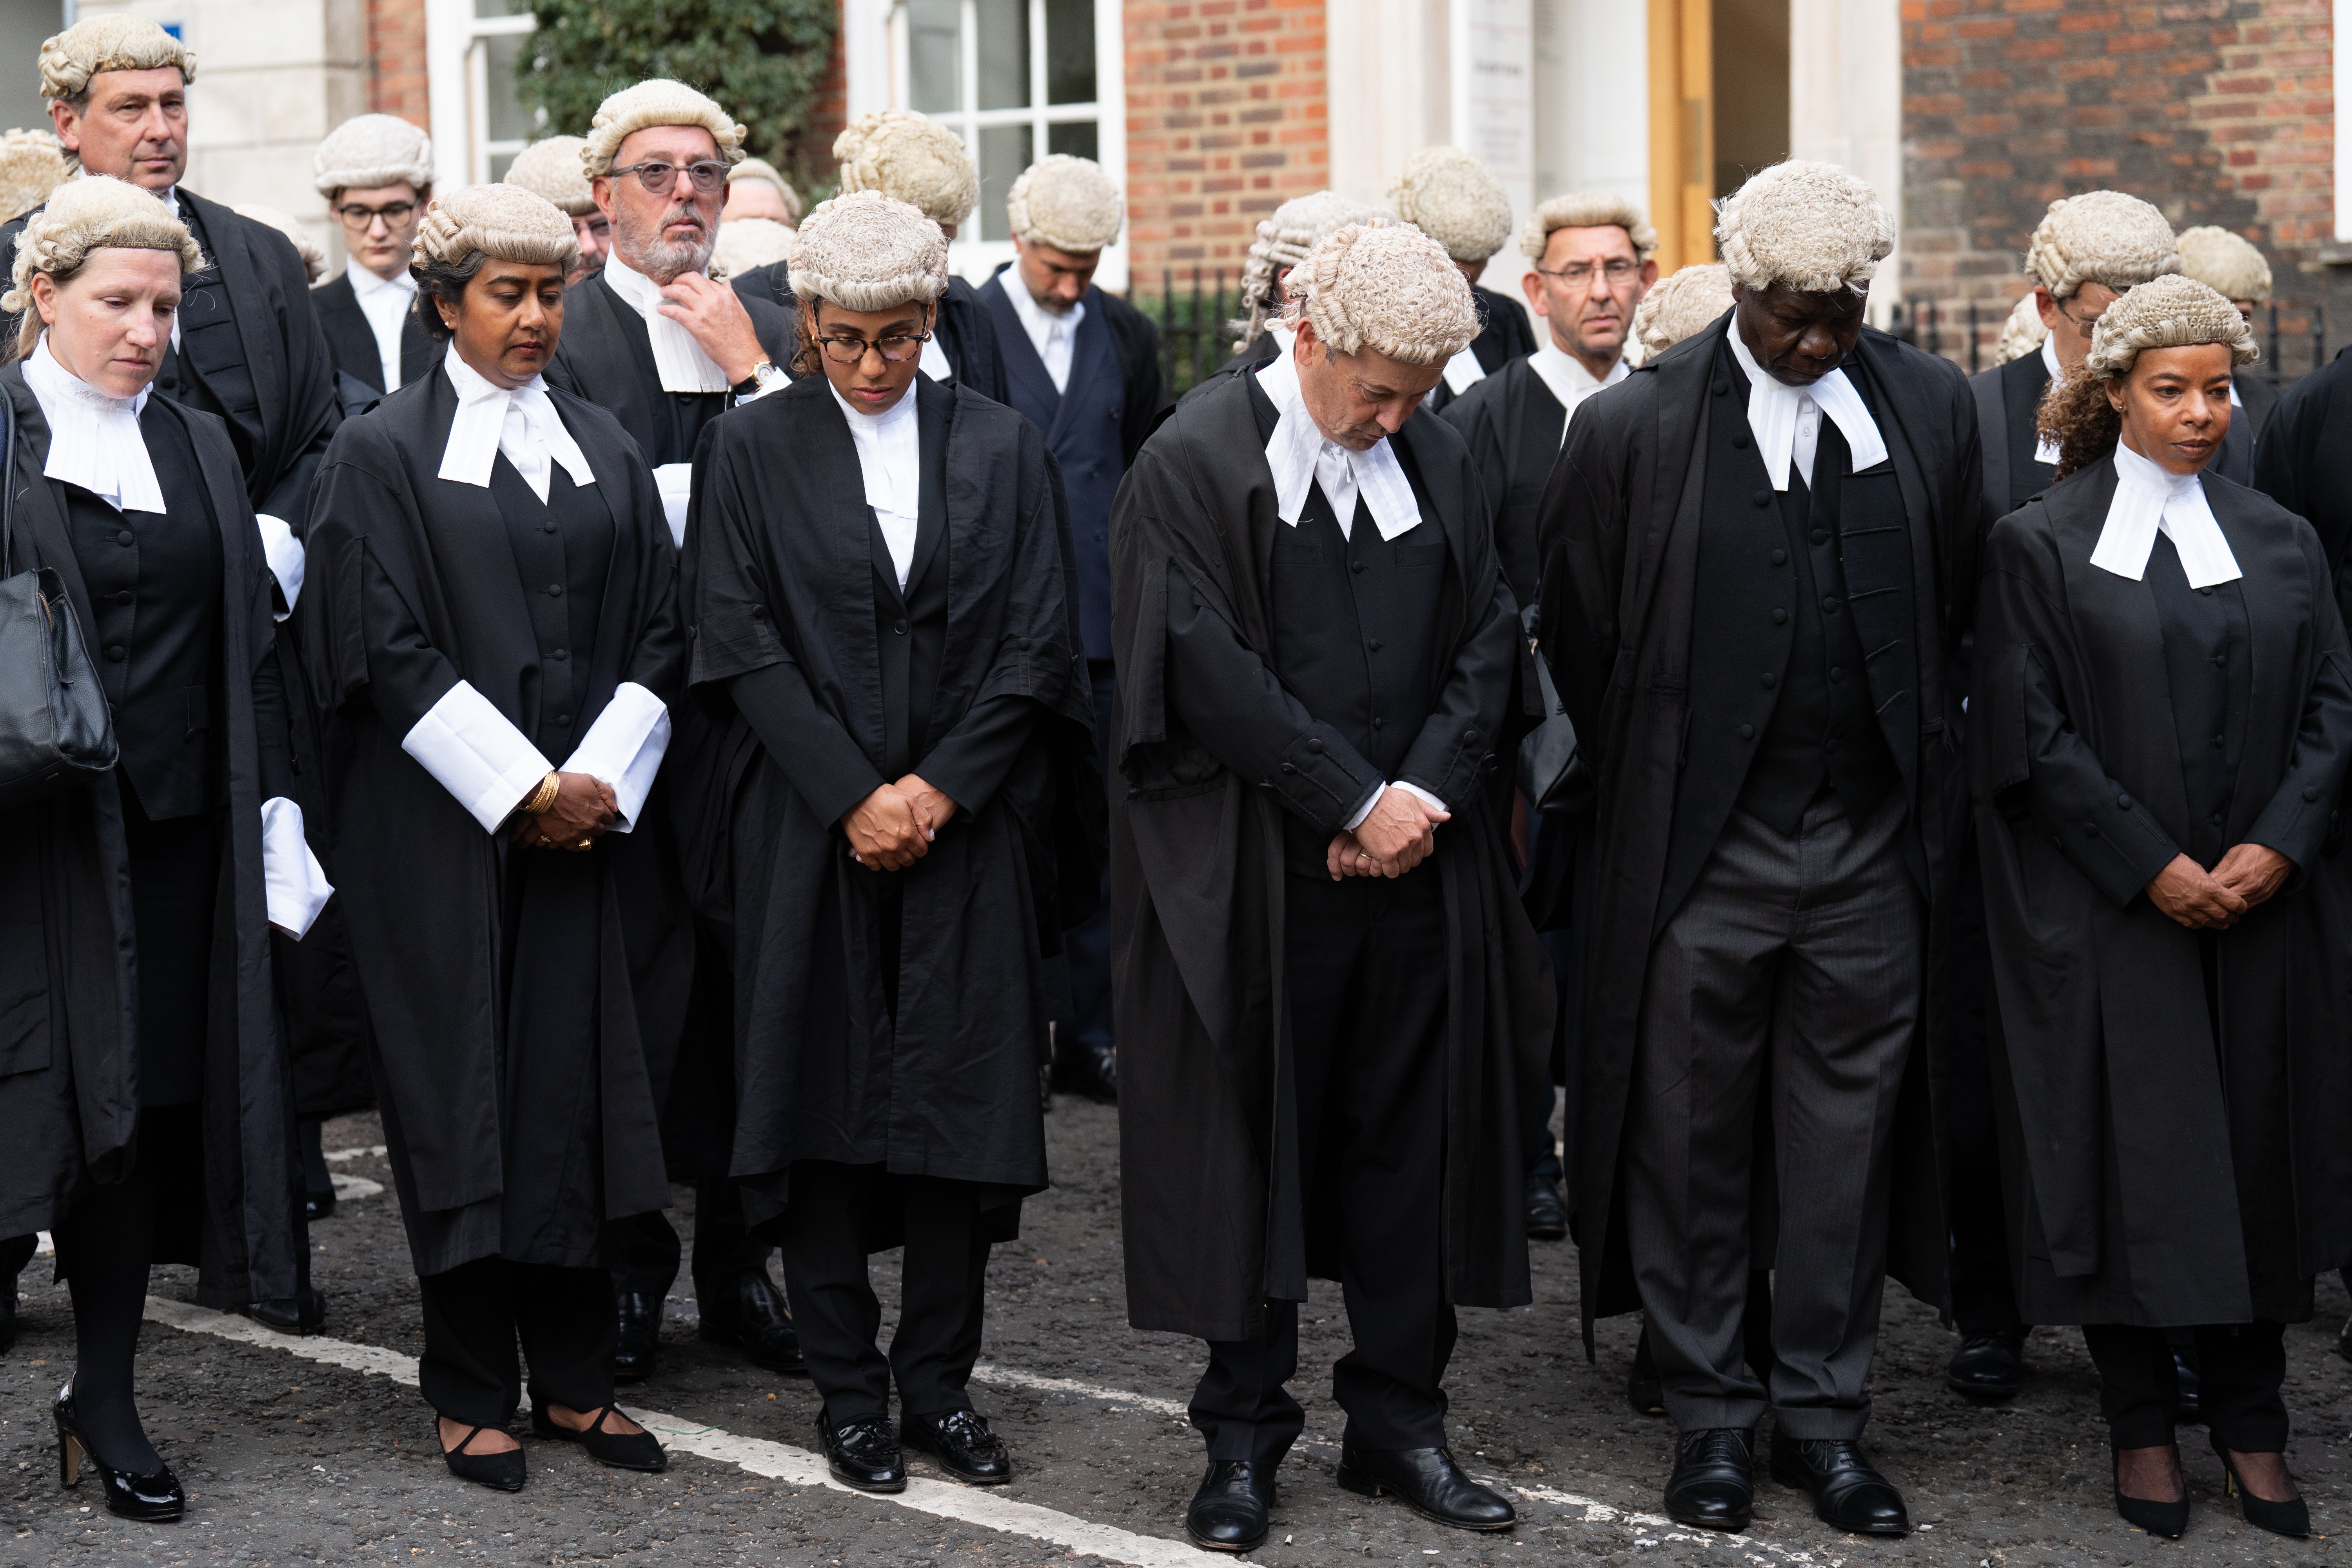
1364, 859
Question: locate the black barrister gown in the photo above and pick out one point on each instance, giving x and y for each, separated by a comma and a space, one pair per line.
466, 943
70, 1049
784, 554
2160, 1173
1619, 541
1207, 1130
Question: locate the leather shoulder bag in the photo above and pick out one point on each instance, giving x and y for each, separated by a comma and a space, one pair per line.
56, 727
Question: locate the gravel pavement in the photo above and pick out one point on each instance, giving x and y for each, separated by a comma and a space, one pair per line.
292, 1458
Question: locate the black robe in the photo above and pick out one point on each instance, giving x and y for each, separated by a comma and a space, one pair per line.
1197, 900
606, 358
400, 557
69, 997
1512, 425
783, 565
966, 335
1620, 531
2303, 462
1504, 335
350, 338
2158, 1174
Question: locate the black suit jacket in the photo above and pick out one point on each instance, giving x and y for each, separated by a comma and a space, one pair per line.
351, 340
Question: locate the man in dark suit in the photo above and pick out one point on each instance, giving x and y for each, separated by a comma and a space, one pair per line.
1084, 366
1456, 200
376, 173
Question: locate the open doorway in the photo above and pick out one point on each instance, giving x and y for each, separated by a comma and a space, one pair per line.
1751, 89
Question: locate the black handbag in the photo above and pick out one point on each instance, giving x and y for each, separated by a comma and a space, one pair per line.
56, 727
1553, 774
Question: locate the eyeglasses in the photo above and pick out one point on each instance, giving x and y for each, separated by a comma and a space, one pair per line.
897, 347
658, 176
1576, 274
359, 220
2084, 323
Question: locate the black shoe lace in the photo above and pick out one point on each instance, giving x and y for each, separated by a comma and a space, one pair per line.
1717, 1445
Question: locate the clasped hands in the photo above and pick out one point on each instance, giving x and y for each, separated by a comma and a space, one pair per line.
584, 809
2217, 900
1395, 836
892, 828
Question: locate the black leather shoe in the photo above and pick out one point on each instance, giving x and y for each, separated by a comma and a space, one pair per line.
1988, 1367
1547, 1218
1428, 1482
639, 1338
746, 1310
152, 1499
1228, 1512
2188, 1405
317, 1206
863, 1454
1089, 1071
2169, 1519
1713, 1485
961, 1443
303, 1314
622, 1450
2292, 1516
1846, 1491
499, 1472
8, 1321
1644, 1390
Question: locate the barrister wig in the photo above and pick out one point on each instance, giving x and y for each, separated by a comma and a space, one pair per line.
32, 165
461, 232
1456, 200
745, 243
1387, 287
1069, 204
2100, 237
1810, 226
371, 151
550, 170
660, 101
2168, 312
1586, 209
2226, 262
2021, 333
1284, 237
909, 159
116, 41
759, 169
313, 254
1680, 305
85, 217
865, 251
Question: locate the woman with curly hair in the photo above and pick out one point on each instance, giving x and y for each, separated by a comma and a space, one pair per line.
2162, 729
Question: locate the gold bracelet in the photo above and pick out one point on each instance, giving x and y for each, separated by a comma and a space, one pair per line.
544, 795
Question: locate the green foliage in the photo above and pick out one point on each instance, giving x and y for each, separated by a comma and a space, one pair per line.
762, 60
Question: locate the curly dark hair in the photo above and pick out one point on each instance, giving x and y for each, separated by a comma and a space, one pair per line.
2077, 417
805, 354
441, 281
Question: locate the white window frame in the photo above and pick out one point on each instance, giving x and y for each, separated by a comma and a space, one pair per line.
876, 36
456, 63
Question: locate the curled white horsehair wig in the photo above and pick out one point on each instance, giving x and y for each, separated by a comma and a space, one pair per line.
1810, 226
1456, 200
910, 159
1680, 305
2168, 313
659, 102
1071, 203
2100, 237
1284, 237
84, 216
2229, 262
1389, 288
866, 251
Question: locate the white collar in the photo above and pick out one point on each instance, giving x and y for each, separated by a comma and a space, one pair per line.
1773, 407
94, 437
1039, 322
683, 364
2149, 498
521, 421
903, 409
2050, 357
364, 282
1567, 378
1297, 442
890, 463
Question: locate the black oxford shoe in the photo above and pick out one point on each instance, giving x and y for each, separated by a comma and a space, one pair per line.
1846, 1491
1428, 1482
1713, 1485
1089, 1071
302, 1314
640, 1335
961, 1443
317, 1206
863, 1454
1989, 1367
1547, 1218
1228, 1513
746, 1310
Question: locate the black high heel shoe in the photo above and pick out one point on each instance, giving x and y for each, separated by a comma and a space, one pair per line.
153, 1500
2288, 1517
2166, 1519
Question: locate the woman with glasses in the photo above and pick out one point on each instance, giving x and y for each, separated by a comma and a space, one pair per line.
884, 590
492, 589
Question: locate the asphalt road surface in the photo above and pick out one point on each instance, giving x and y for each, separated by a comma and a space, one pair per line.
319, 1450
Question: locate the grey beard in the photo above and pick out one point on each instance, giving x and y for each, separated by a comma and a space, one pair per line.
662, 260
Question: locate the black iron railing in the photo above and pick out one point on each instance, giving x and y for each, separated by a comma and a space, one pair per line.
1967, 335
1194, 340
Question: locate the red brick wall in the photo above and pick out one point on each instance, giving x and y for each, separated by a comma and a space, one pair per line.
396, 83
2219, 112
1225, 120
814, 152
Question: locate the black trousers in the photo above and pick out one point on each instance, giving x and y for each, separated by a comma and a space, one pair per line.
646, 1251
1984, 1298
2242, 1371
943, 1276
1088, 945
477, 1313
1367, 1056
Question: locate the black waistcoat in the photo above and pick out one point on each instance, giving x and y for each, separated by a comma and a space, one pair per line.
206, 368
154, 580
679, 415
910, 626
2208, 675
563, 551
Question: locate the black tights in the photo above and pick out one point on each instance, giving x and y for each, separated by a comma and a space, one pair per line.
2241, 1369
104, 1245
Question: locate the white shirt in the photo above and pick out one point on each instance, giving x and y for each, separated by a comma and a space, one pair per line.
2148, 500
521, 422
94, 438
2045, 450
1569, 382
683, 364
890, 456
1053, 336
386, 303
1787, 420
1299, 456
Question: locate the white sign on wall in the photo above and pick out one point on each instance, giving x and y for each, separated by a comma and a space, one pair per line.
1493, 55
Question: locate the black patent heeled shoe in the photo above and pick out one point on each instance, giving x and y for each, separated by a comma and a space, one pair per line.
2292, 1516
152, 1499
2166, 1519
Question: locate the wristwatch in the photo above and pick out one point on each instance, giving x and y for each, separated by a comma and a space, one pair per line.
765, 378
